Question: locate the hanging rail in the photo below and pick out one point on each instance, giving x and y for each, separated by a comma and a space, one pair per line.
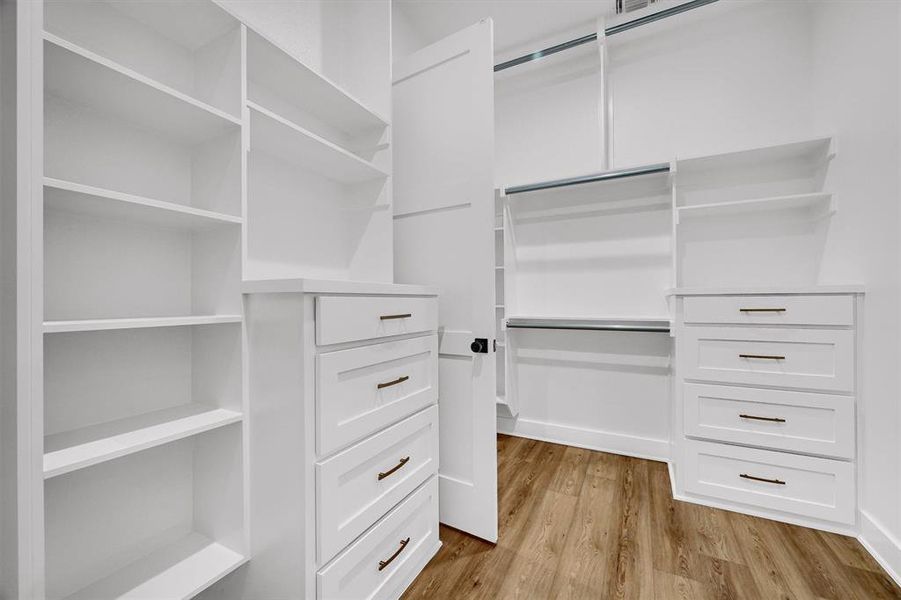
605, 176
645, 325
612, 30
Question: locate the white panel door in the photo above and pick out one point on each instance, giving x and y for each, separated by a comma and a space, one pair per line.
444, 235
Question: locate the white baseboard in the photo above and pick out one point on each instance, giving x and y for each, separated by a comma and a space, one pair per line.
881, 544
591, 439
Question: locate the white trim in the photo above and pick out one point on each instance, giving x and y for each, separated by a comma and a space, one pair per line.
848, 530
591, 439
884, 547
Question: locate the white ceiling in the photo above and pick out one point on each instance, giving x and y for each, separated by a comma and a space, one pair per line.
515, 21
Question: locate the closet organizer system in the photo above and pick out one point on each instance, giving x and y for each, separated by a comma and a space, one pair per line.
720, 253
180, 159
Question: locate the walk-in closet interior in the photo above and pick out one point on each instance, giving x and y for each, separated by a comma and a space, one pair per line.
372, 299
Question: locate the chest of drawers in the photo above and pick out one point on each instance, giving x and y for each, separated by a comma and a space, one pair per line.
344, 438
766, 395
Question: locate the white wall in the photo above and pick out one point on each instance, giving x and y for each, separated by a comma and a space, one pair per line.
856, 95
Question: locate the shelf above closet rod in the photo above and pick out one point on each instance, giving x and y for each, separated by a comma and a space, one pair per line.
604, 176
640, 325
612, 30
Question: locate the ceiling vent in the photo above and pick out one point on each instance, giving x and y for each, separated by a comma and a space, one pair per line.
625, 6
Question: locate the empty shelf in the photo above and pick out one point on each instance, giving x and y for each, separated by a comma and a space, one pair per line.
811, 152
73, 450
814, 202
68, 196
279, 137
136, 323
176, 572
276, 70
654, 325
85, 78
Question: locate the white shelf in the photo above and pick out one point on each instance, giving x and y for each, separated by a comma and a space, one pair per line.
85, 78
810, 151
73, 450
136, 323
176, 572
279, 137
69, 196
820, 201
275, 69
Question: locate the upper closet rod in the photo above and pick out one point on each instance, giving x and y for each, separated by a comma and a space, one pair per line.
612, 30
605, 176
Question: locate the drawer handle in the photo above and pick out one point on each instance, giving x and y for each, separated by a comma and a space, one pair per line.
756, 418
385, 563
759, 310
763, 479
391, 471
398, 316
402, 379
762, 356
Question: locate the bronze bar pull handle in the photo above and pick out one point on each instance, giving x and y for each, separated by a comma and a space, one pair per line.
758, 310
385, 563
382, 386
763, 479
392, 317
391, 471
762, 356
756, 418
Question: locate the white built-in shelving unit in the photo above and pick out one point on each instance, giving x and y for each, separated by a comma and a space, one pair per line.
143, 408
180, 153
599, 254
320, 160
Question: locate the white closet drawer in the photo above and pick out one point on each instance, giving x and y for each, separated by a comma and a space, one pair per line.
821, 359
356, 487
815, 487
353, 318
363, 390
388, 555
828, 311
781, 420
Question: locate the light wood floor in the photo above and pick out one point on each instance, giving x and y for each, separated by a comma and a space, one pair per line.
581, 524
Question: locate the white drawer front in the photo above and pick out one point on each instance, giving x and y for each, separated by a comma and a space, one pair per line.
833, 311
353, 318
802, 358
781, 420
356, 487
409, 534
363, 390
815, 487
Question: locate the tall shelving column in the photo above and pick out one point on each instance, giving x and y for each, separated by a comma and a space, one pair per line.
143, 402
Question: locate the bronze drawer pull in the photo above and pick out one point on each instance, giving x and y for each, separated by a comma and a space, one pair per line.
391, 471
382, 386
385, 563
762, 356
776, 310
763, 479
756, 418
392, 317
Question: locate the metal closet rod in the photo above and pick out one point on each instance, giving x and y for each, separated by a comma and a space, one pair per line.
575, 324
613, 30
605, 176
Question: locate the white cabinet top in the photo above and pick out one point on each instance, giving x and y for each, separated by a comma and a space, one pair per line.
324, 286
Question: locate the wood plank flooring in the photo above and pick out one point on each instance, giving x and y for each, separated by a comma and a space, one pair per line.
589, 525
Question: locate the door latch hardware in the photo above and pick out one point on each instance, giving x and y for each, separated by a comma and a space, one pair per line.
479, 346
